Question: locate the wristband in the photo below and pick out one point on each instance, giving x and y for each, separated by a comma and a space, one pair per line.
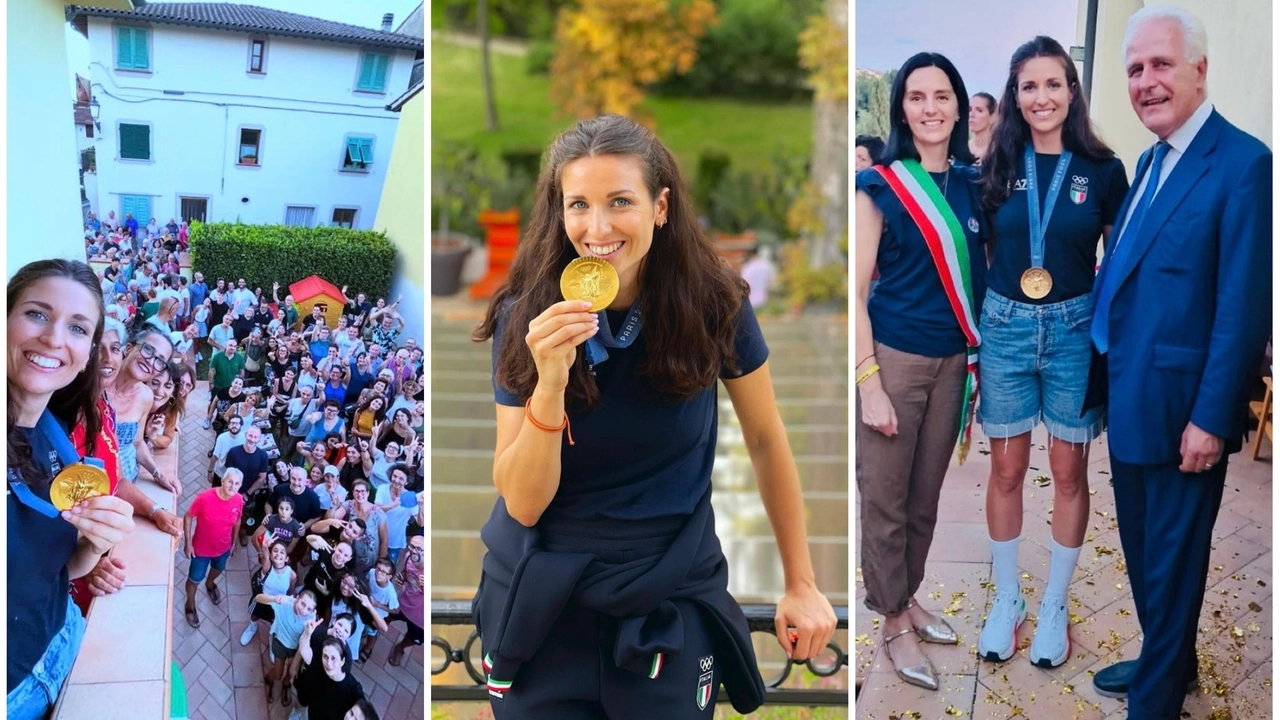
154, 509
563, 425
870, 371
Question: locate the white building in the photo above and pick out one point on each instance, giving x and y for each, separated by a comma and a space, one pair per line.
234, 113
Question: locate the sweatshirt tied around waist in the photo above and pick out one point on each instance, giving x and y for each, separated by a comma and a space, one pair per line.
532, 574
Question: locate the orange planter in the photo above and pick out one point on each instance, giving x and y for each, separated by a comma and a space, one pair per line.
501, 235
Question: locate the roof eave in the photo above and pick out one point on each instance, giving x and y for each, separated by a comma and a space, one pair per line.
78, 17
400, 102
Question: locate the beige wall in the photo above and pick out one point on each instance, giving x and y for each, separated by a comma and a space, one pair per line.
1240, 75
401, 215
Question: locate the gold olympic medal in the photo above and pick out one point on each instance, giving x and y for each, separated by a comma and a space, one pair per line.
78, 482
590, 279
1036, 283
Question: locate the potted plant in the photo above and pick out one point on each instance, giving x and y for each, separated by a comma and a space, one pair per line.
454, 196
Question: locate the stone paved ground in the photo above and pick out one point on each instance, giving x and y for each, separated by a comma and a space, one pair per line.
223, 679
1235, 625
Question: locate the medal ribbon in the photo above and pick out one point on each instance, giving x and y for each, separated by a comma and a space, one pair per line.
67, 455
604, 337
945, 238
1040, 227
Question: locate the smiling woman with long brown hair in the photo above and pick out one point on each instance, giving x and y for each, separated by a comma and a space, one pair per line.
613, 517
55, 323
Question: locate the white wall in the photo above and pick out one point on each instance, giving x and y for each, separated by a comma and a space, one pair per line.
91, 192
44, 217
198, 97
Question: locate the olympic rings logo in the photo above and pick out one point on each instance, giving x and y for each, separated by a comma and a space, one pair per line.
706, 663
1079, 180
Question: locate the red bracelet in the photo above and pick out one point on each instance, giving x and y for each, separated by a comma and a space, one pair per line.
563, 425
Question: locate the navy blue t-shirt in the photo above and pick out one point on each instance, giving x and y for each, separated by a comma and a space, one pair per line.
1090, 198
909, 309
638, 455
38, 552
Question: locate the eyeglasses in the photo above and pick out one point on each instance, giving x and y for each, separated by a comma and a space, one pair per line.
150, 353
413, 550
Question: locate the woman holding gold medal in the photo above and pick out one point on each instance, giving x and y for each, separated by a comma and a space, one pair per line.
1053, 189
61, 515
604, 590
916, 338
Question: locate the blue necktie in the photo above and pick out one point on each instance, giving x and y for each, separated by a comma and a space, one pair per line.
1120, 251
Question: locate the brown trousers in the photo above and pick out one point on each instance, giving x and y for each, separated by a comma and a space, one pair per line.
900, 477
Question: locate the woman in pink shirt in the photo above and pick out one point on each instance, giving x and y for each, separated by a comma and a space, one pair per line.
209, 532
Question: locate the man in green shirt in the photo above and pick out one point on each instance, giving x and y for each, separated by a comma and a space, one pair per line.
223, 368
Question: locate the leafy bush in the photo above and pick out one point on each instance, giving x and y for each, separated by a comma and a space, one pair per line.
537, 61
744, 200
712, 165
753, 52
464, 183
512, 18
804, 284
262, 254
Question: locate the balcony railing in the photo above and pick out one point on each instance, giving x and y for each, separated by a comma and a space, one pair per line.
759, 620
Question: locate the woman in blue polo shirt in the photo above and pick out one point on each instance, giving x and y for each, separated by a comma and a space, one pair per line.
919, 221
1054, 190
604, 591
55, 324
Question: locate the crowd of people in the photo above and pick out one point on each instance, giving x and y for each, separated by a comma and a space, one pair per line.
967, 281
317, 468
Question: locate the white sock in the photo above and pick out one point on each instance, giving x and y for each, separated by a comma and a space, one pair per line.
1004, 566
1062, 565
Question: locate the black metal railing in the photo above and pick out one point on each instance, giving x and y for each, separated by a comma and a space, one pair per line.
759, 620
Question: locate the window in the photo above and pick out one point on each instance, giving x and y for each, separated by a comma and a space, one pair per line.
299, 216
344, 217
193, 209
135, 142
257, 55
139, 206
373, 72
358, 155
132, 52
250, 143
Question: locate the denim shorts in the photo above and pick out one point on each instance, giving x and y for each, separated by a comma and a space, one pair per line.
35, 696
1033, 364
200, 566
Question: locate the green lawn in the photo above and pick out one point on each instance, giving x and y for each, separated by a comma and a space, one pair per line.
749, 133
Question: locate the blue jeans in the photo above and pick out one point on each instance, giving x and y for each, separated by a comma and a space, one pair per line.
1034, 364
34, 698
200, 566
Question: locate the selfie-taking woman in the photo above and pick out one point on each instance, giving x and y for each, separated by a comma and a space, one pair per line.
919, 220
602, 546
1054, 190
55, 532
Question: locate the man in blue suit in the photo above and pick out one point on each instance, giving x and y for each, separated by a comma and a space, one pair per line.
1183, 312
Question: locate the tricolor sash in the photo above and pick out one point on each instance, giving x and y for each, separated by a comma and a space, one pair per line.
944, 236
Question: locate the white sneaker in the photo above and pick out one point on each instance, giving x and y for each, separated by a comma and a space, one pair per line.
999, 637
248, 633
1052, 645
206, 424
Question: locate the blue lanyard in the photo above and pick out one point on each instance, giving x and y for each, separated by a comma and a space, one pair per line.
1039, 227
604, 337
48, 427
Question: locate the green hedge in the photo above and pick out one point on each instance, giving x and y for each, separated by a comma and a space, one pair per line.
261, 254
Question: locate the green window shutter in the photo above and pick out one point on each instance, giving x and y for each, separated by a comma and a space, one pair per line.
141, 58
367, 63
380, 72
353, 152
124, 48
135, 142
366, 151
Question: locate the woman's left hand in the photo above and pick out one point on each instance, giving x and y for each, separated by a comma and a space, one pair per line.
814, 620
103, 521
164, 481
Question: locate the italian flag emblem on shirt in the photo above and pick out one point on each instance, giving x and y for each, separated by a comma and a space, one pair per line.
704, 691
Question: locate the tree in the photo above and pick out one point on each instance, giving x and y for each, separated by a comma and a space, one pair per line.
482, 23
609, 51
824, 51
872, 105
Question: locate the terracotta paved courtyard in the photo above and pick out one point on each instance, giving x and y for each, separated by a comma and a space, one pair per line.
223, 679
1235, 626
